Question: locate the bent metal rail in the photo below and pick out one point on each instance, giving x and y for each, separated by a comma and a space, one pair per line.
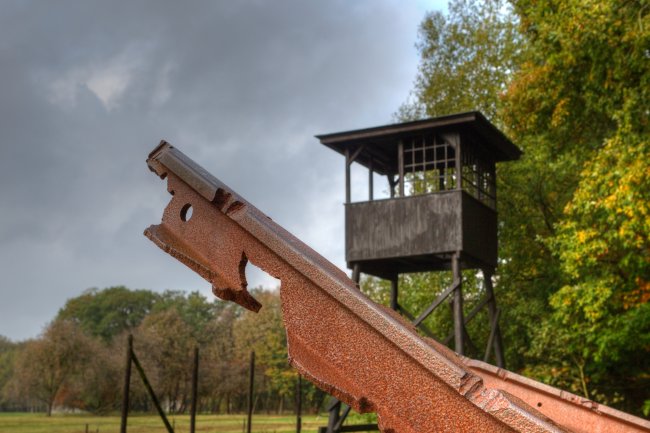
361, 352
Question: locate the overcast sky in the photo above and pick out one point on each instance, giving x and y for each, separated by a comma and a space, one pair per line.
88, 88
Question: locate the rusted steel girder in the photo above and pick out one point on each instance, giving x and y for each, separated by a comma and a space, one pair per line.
362, 353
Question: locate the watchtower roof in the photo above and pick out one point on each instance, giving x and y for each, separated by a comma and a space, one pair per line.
380, 141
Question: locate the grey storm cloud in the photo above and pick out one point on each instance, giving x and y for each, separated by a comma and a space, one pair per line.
88, 88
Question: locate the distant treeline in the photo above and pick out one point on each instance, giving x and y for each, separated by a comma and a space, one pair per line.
78, 360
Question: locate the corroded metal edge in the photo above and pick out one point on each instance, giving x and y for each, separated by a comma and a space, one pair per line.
571, 410
227, 231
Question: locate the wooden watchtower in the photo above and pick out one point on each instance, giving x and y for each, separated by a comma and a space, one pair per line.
440, 213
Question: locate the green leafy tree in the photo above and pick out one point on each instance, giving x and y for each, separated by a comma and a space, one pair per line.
109, 312
579, 106
8, 352
466, 59
571, 88
264, 333
195, 310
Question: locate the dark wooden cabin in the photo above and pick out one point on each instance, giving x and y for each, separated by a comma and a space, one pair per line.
442, 182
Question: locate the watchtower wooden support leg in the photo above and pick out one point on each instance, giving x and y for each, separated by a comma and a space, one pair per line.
494, 319
339, 424
348, 180
335, 415
459, 323
356, 274
490, 343
394, 293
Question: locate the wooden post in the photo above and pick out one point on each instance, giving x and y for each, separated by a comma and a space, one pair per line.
251, 380
493, 317
458, 305
370, 182
393, 292
400, 158
299, 404
127, 385
356, 274
391, 184
459, 163
348, 191
493, 183
195, 385
152, 394
334, 416
493, 331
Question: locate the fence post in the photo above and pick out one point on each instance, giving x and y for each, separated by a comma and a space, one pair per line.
127, 385
250, 392
152, 394
195, 382
298, 404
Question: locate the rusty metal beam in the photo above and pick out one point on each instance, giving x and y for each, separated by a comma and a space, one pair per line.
362, 353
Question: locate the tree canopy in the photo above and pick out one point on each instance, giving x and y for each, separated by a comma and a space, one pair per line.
582, 93
568, 82
108, 312
466, 58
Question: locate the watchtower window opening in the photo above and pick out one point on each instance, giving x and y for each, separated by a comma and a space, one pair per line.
478, 177
429, 165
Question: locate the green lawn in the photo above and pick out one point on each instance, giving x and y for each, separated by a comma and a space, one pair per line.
39, 423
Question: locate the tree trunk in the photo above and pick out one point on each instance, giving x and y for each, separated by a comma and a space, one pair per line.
281, 405
216, 406
267, 403
257, 397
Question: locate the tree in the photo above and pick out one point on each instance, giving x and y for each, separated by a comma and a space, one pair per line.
571, 89
193, 308
219, 367
581, 97
264, 333
98, 387
8, 351
466, 59
165, 345
109, 312
47, 366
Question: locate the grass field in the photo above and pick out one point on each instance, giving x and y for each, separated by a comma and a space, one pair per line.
58, 423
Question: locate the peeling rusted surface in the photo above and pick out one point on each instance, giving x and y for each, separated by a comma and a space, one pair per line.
358, 351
